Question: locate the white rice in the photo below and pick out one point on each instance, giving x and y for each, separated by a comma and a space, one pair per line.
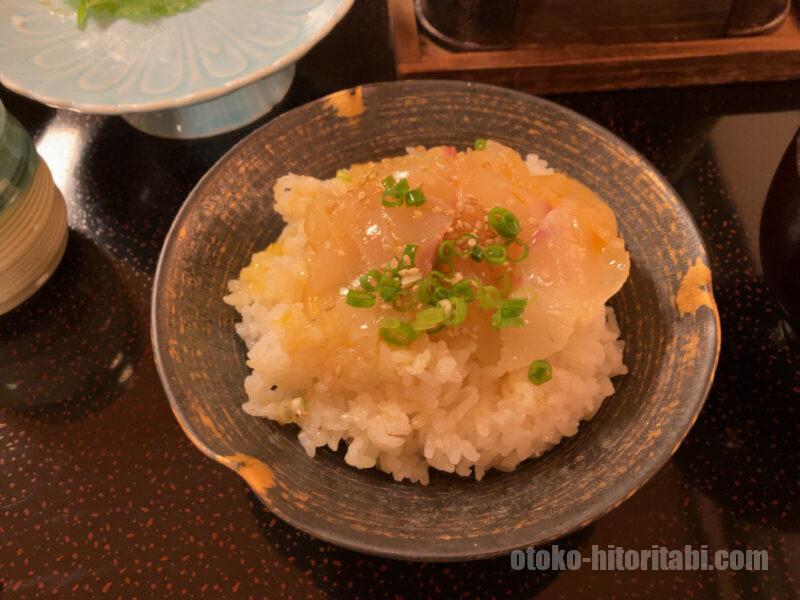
405, 411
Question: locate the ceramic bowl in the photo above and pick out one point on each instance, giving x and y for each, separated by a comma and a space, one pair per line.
666, 311
198, 73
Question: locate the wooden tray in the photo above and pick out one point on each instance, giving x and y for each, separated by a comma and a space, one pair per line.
585, 67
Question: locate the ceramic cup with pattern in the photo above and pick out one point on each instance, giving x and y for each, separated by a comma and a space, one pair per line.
33, 216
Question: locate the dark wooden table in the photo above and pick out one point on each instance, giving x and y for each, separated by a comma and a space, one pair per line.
101, 494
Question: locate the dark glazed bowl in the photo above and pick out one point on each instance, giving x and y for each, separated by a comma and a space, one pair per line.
666, 312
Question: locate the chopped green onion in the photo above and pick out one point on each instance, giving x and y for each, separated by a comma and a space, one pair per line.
388, 287
476, 253
488, 297
429, 318
415, 197
480, 144
397, 333
391, 203
408, 257
523, 254
540, 372
395, 193
390, 190
462, 243
371, 280
444, 262
343, 175
447, 250
360, 299
439, 293
504, 285
464, 289
403, 302
508, 313
504, 222
459, 310
495, 254
424, 290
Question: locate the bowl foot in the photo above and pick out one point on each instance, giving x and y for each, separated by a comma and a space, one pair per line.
220, 115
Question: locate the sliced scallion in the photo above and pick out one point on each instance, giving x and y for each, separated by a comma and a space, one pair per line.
495, 254
447, 250
508, 313
403, 302
429, 318
504, 222
488, 297
388, 287
504, 285
360, 299
459, 310
371, 280
539, 372
477, 254
523, 254
415, 197
464, 289
396, 333
408, 257
444, 265
439, 293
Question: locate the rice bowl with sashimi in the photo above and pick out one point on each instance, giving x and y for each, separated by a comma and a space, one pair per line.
439, 309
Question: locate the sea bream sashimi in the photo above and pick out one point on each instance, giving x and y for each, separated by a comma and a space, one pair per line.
442, 309
561, 260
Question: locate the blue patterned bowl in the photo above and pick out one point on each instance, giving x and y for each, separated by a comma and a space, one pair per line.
233, 58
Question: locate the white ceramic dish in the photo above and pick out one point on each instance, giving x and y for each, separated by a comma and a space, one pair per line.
168, 65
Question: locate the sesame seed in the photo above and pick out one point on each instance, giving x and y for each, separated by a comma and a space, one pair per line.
472, 243
447, 307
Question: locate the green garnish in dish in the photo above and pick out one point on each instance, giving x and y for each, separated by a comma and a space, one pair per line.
504, 222
397, 333
508, 313
371, 280
447, 249
540, 372
480, 144
360, 299
395, 193
495, 254
131, 9
523, 254
441, 298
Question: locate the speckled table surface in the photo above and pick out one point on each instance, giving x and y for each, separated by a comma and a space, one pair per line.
101, 494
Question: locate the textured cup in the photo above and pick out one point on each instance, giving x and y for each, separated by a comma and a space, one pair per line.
33, 217
666, 313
